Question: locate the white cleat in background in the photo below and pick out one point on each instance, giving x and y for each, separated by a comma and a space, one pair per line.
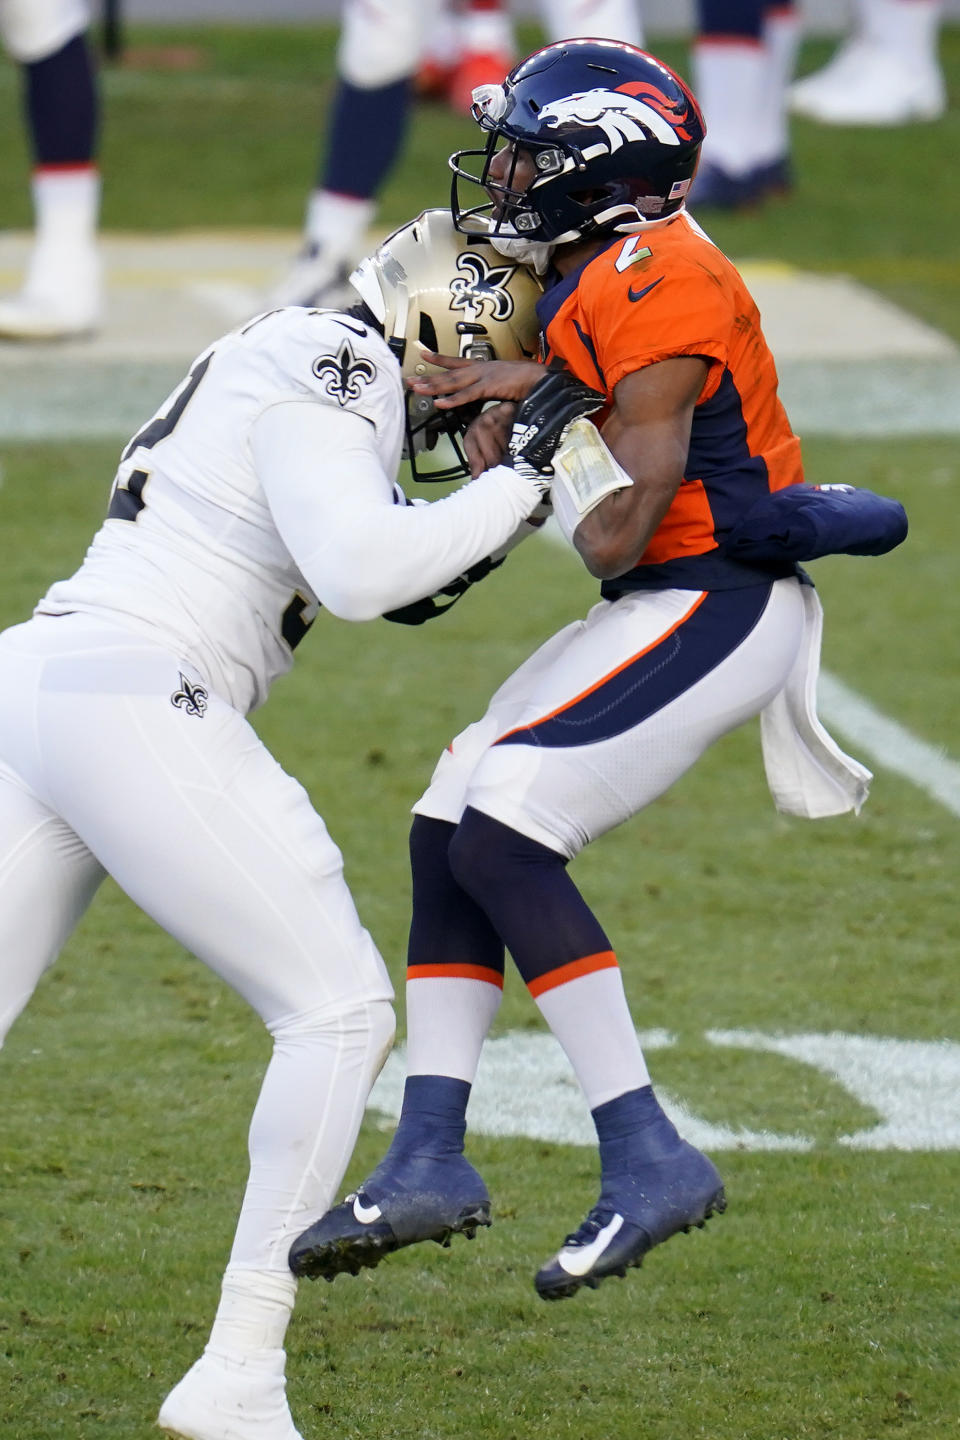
62, 296
865, 84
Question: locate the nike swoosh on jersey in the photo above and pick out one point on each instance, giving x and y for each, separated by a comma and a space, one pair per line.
579, 1259
639, 294
365, 1214
357, 329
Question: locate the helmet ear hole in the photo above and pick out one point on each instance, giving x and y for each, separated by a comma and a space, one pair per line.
428, 333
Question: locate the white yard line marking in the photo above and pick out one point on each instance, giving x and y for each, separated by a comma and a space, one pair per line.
889, 743
526, 1089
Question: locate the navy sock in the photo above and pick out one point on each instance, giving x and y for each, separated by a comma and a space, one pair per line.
61, 103
632, 1130
367, 128
447, 926
433, 1119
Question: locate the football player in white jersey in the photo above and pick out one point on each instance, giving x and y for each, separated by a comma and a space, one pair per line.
262, 490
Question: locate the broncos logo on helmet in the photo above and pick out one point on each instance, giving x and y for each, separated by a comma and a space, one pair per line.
621, 117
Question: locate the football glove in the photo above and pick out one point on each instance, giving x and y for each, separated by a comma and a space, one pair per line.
553, 404
419, 611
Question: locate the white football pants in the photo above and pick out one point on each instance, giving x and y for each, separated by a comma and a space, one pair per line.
618, 749
110, 763
32, 30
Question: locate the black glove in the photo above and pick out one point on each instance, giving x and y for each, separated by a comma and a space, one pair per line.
538, 426
419, 611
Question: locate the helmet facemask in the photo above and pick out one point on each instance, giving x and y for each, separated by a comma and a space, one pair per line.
434, 289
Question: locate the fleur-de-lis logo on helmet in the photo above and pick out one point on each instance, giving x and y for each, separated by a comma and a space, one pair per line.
344, 374
481, 285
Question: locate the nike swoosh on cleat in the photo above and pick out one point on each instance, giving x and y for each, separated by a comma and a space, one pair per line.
365, 1214
639, 294
579, 1259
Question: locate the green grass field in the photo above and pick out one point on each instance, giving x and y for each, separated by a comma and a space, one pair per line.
825, 1303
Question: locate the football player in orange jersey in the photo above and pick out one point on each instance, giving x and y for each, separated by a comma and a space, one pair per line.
704, 622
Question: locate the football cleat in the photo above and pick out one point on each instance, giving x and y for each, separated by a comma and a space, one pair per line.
62, 296
227, 1397
634, 1213
316, 280
867, 84
406, 1200
717, 189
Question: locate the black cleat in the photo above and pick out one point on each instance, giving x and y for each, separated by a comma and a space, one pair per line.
404, 1201
634, 1213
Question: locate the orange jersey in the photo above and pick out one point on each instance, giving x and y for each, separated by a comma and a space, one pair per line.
669, 291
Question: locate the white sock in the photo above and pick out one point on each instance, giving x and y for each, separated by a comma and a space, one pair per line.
781, 37
66, 205
590, 1018
338, 223
731, 80
448, 1020
254, 1311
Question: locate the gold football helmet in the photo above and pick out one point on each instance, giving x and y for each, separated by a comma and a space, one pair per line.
433, 288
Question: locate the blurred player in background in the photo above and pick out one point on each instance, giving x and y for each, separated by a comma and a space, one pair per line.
887, 73
590, 152
62, 290
743, 61
262, 489
382, 45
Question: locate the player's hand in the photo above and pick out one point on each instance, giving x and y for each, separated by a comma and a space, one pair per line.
542, 419
464, 382
486, 438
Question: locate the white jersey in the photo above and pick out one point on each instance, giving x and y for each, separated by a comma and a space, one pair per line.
282, 442
190, 549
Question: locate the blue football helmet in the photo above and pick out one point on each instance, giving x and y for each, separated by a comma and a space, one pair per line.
614, 136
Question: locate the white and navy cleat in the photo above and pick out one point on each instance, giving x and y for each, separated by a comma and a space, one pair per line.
634, 1213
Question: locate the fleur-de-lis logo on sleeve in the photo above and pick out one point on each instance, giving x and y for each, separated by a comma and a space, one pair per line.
190, 698
344, 374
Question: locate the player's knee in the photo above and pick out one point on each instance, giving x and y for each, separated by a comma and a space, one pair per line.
487, 857
364, 1023
429, 852
33, 30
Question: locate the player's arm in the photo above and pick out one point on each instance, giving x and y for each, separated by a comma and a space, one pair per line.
334, 507
648, 434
